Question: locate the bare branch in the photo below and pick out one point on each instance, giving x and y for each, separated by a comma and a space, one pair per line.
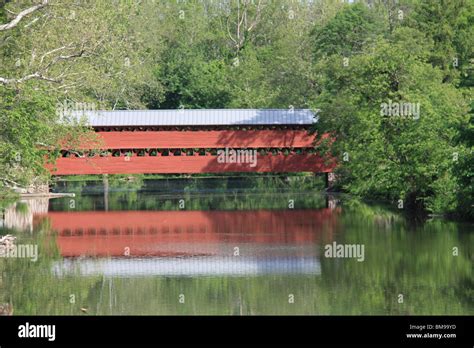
8, 181
257, 16
10, 12
36, 75
32, 22
243, 24
230, 35
52, 51
22, 14
59, 58
40, 74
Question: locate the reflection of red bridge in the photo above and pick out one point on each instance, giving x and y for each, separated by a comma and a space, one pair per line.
187, 141
168, 233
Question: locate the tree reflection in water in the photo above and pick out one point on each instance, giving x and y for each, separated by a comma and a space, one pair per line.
233, 252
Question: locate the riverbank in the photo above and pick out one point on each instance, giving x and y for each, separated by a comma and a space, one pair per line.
46, 195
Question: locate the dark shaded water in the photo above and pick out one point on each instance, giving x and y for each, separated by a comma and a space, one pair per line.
229, 246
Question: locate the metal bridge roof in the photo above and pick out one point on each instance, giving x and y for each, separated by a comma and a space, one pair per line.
195, 117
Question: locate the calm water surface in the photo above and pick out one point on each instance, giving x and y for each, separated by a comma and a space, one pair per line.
228, 246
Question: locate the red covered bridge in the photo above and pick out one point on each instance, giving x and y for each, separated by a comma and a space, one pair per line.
195, 141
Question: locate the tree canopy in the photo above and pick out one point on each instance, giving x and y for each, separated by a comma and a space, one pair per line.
361, 64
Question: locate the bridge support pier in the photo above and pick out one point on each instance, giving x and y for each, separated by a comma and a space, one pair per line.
330, 180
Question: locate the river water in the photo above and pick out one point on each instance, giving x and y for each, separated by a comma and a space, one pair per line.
228, 246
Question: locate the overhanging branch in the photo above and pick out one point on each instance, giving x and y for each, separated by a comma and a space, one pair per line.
22, 14
42, 72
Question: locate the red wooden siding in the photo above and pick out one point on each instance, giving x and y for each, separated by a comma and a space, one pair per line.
204, 139
188, 164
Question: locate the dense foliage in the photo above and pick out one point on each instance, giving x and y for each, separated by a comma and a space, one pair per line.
347, 60
415, 158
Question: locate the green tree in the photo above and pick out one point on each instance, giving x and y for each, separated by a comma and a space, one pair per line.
352, 28
450, 26
464, 169
395, 157
26, 123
